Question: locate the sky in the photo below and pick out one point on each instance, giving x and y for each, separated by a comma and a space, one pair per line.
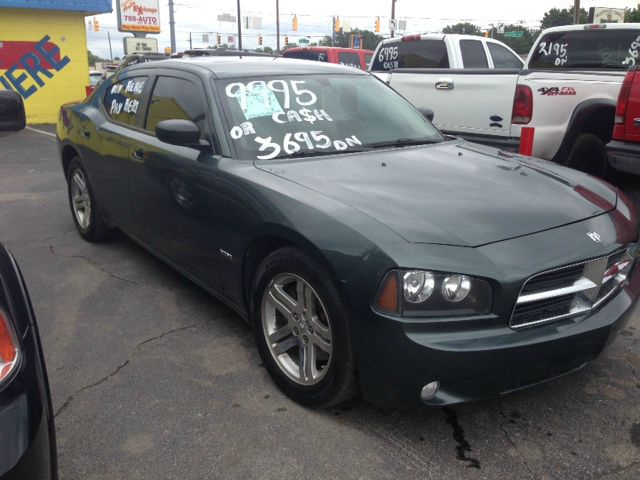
315, 18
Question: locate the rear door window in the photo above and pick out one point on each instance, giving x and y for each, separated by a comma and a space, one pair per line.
123, 99
411, 54
502, 57
473, 55
349, 58
176, 99
595, 49
367, 59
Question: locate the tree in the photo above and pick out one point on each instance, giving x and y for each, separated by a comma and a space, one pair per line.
93, 59
370, 40
267, 50
464, 28
632, 15
520, 44
556, 17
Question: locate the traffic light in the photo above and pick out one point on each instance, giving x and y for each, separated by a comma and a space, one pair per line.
259, 39
218, 40
286, 41
377, 29
336, 24
294, 23
96, 25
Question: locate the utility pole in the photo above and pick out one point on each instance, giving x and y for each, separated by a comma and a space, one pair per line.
239, 28
172, 27
333, 32
393, 16
110, 50
190, 42
278, 25
576, 12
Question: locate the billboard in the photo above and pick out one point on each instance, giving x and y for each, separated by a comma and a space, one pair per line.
140, 45
606, 15
138, 16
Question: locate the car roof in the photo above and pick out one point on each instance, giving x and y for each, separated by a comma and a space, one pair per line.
603, 27
231, 67
326, 49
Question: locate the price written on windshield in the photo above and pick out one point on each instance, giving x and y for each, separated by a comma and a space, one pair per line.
633, 53
558, 50
294, 142
291, 89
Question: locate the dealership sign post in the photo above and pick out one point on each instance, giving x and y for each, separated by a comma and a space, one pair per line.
138, 16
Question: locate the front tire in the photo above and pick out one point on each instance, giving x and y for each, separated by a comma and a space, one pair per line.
302, 330
84, 208
588, 155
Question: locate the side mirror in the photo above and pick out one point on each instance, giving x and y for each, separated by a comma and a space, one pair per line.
183, 133
12, 116
427, 113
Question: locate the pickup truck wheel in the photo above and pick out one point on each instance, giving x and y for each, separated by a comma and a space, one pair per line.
84, 208
588, 155
301, 328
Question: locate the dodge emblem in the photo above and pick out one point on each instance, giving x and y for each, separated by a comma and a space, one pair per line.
595, 236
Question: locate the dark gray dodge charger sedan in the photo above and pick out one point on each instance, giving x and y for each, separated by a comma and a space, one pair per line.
368, 251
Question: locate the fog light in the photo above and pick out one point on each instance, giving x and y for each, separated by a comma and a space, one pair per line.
417, 286
429, 391
455, 288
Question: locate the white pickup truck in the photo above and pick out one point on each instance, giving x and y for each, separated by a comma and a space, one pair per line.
565, 95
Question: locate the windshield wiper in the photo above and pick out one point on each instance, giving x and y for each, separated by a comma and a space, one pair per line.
318, 153
402, 142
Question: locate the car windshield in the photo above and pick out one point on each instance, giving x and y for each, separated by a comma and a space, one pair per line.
304, 115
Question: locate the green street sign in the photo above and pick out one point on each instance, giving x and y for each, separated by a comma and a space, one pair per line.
303, 41
514, 34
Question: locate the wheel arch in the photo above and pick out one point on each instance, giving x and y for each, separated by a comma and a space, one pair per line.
269, 239
68, 153
595, 116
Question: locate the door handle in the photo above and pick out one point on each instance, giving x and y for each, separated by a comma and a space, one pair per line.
636, 122
85, 133
444, 84
137, 153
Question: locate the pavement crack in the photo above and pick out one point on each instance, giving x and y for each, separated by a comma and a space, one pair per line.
463, 446
71, 397
502, 427
94, 265
620, 470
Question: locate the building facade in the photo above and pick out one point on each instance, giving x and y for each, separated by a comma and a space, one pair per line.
43, 52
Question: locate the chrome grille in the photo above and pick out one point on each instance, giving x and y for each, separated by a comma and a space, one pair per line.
570, 291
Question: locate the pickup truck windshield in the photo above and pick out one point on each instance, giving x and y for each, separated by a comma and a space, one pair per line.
411, 54
606, 49
303, 115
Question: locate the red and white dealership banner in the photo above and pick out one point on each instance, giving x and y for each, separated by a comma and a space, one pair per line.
138, 16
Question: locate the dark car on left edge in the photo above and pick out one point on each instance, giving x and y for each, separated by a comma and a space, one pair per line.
369, 251
27, 433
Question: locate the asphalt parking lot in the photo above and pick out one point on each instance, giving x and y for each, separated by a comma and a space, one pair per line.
153, 378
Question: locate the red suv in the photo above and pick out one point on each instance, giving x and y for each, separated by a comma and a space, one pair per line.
346, 56
624, 149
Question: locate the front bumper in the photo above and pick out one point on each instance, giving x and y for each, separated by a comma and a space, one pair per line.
484, 361
624, 156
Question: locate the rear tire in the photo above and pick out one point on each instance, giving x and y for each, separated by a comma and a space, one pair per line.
311, 322
84, 208
588, 155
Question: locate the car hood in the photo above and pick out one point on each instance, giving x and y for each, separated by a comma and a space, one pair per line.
453, 193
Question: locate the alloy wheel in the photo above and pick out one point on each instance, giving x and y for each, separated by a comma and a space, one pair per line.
80, 199
297, 329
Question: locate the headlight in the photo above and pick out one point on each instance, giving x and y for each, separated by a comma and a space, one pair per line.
432, 294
